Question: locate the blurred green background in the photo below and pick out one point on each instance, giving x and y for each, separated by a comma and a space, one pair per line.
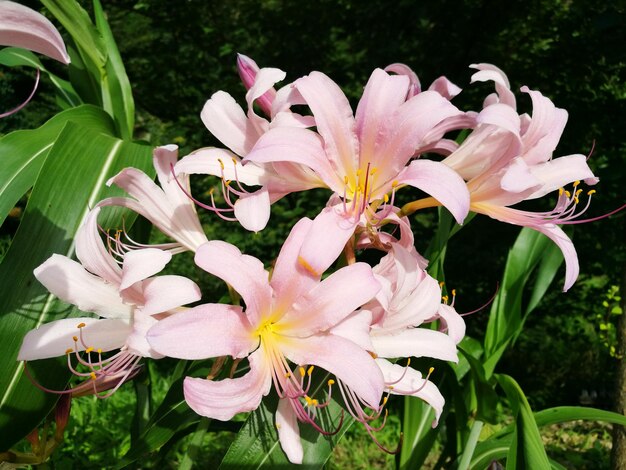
178, 53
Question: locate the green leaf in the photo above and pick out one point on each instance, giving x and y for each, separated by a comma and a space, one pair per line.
24, 152
527, 450
71, 181
470, 446
16, 57
418, 434
562, 414
117, 93
256, 445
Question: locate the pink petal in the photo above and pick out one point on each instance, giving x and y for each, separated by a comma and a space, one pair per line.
334, 120
262, 88
205, 331
518, 177
55, 338
416, 342
356, 328
92, 253
401, 69
412, 384
288, 431
248, 70
70, 282
225, 119
440, 182
558, 236
23, 27
330, 301
137, 342
221, 163
559, 172
326, 239
225, 398
452, 322
445, 88
244, 273
348, 362
289, 278
252, 210
382, 96
163, 293
141, 264
487, 72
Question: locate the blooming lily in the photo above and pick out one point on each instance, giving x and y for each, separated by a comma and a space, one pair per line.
364, 158
285, 330
126, 297
168, 207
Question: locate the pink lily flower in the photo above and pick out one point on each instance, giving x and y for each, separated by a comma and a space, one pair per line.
508, 159
285, 330
239, 131
123, 293
23, 27
364, 158
168, 206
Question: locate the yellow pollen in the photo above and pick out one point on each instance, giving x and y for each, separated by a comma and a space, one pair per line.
590, 192
408, 362
394, 183
88, 350
310, 371
80, 325
444, 298
386, 199
331, 382
453, 292
441, 284
358, 172
561, 190
390, 387
345, 180
92, 375
304, 263
75, 338
568, 194
373, 354
373, 171
576, 200
385, 400
431, 370
302, 371
227, 182
315, 402
234, 160
69, 350
99, 351
221, 163
307, 399
576, 183
288, 375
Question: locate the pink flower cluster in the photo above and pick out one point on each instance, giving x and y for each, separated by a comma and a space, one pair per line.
356, 322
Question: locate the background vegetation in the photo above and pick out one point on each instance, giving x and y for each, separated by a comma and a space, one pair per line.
178, 53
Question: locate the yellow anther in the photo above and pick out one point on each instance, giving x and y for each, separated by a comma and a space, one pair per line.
221, 163
390, 387
302, 371
314, 402
576, 200
288, 375
99, 350
75, 338
234, 160
444, 298
578, 191
373, 354
331, 382
561, 191
386, 199
358, 172
568, 194
453, 292
80, 325
441, 284
69, 350
591, 192
227, 182
373, 171
92, 375
345, 180
307, 399
385, 400
408, 362
88, 350
310, 371
431, 370
394, 183
576, 183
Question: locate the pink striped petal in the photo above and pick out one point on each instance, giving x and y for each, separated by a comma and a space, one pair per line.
252, 210
244, 273
334, 120
445, 88
416, 342
330, 301
164, 293
248, 69
221, 163
326, 239
347, 361
55, 338
487, 72
70, 282
558, 172
288, 431
401, 69
208, 330
225, 398
558, 236
23, 27
452, 322
440, 182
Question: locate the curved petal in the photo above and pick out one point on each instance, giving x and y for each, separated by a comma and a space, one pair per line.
70, 282
253, 210
288, 431
56, 338
137, 342
488, 72
221, 163
445, 88
163, 293
356, 328
556, 173
23, 27
225, 398
402, 69
558, 236
452, 322
289, 278
416, 342
205, 331
225, 119
441, 182
330, 301
244, 273
334, 121
412, 384
141, 264
341, 357
248, 69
